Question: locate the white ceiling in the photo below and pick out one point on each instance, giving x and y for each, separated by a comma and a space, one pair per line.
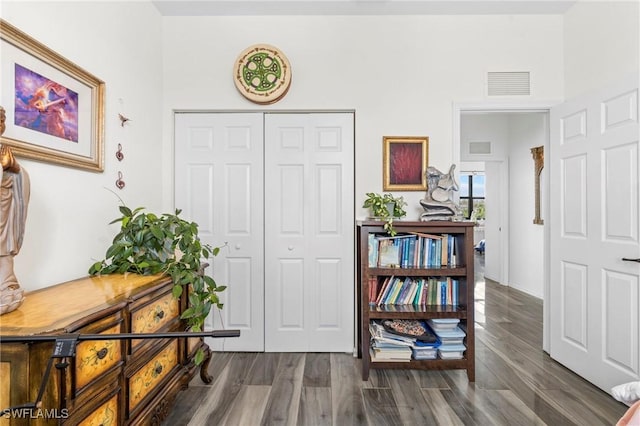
359, 7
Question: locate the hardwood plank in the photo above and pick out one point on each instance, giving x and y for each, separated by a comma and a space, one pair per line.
317, 370
411, 404
315, 406
430, 379
461, 411
462, 398
284, 398
527, 391
263, 371
211, 402
186, 403
254, 397
485, 379
214, 409
444, 414
346, 396
380, 407
377, 379
585, 409
503, 407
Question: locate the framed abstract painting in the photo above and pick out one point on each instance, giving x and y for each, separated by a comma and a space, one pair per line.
54, 108
404, 162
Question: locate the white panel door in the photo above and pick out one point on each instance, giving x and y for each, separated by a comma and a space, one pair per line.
218, 184
594, 300
309, 232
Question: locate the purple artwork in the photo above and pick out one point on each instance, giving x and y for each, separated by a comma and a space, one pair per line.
45, 106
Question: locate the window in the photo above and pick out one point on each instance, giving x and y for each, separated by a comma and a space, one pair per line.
472, 194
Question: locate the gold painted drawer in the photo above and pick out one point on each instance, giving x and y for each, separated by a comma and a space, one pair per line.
145, 380
154, 315
95, 357
105, 415
193, 343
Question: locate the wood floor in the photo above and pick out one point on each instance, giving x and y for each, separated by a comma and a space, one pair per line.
516, 383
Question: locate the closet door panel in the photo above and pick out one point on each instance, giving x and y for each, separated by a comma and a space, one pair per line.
219, 185
319, 207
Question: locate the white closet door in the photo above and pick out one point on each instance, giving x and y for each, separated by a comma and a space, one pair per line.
594, 297
309, 232
218, 184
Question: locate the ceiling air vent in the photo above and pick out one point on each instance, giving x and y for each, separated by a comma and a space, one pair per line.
479, 148
509, 83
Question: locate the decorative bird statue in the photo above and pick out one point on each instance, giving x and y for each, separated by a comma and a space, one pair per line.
123, 119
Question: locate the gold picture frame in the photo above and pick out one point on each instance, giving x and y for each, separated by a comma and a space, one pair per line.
54, 108
404, 163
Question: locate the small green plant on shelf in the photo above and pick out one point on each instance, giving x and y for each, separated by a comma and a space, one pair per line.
149, 244
385, 207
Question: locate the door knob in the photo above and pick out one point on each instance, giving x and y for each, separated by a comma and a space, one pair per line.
631, 260
290, 248
237, 246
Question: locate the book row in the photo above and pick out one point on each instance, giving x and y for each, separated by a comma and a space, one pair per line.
395, 290
412, 250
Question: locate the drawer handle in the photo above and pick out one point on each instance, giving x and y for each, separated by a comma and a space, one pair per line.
160, 314
158, 369
102, 353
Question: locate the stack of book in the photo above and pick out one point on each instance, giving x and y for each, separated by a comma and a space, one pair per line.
401, 340
451, 337
386, 347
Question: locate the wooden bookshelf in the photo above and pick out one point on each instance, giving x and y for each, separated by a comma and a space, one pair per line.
462, 271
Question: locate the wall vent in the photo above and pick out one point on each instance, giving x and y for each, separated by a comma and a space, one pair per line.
479, 148
516, 83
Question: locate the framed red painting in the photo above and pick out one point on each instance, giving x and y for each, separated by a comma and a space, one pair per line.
404, 162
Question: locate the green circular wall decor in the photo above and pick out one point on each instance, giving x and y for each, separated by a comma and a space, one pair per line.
262, 74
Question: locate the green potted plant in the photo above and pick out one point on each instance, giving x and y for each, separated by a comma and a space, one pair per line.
385, 207
149, 244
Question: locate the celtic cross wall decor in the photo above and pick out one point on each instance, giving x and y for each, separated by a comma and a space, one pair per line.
262, 74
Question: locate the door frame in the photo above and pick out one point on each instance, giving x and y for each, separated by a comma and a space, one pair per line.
513, 106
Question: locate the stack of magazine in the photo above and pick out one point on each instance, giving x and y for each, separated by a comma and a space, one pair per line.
451, 337
401, 340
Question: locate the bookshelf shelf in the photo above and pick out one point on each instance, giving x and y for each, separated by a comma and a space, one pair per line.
418, 272
416, 312
460, 239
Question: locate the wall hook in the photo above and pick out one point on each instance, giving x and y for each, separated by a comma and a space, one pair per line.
120, 182
119, 154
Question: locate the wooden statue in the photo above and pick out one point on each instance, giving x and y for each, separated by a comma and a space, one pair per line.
538, 158
14, 199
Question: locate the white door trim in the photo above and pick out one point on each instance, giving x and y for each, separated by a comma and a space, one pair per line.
512, 106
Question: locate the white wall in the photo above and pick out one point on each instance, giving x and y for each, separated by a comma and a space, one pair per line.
526, 240
601, 44
483, 126
69, 211
401, 74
